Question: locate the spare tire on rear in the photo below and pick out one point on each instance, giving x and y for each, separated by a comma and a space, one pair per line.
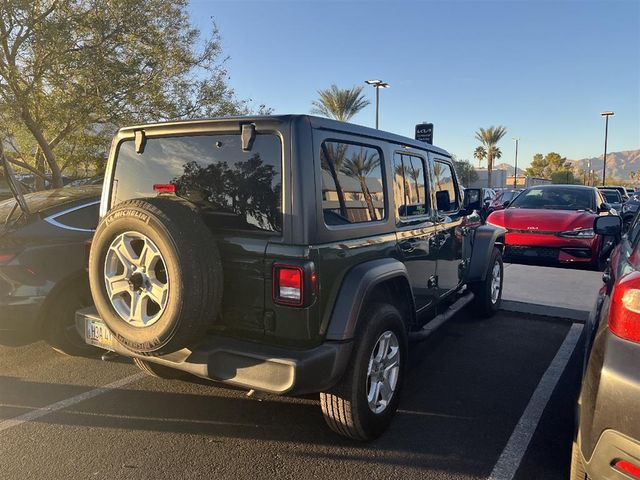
155, 274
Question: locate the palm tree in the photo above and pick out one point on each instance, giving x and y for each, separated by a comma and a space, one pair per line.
489, 138
331, 156
340, 103
359, 166
480, 154
402, 172
415, 174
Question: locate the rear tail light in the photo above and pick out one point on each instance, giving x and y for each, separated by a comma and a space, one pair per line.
293, 285
628, 468
164, 188
624, 314
6, 257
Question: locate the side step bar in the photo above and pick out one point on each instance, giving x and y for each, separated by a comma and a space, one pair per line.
439, 320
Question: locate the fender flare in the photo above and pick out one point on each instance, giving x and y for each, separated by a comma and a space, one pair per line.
484, 240
356, 285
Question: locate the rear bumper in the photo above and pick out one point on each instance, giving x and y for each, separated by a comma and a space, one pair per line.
252, 365
609, 427
611, 448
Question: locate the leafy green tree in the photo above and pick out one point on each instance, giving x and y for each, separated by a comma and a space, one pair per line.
547, 166
465, 171
71, 71
565, 176
489, 139
340, 103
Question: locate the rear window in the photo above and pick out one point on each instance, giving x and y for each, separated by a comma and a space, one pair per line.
611, 196
234, 189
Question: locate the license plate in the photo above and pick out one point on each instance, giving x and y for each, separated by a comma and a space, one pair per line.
96, 333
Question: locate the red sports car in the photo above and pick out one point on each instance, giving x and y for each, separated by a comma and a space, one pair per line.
553, 224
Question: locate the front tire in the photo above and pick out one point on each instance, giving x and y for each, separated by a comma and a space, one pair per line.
488, 292
362, 405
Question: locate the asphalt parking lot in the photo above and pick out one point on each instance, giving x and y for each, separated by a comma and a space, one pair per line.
467, 405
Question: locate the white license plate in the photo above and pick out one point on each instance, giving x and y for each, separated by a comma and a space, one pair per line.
96, 333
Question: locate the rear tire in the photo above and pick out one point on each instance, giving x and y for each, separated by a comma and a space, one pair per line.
158, 371
488, 292
346, 407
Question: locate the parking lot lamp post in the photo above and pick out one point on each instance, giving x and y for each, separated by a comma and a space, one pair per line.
606, 115
515, 169
377, 84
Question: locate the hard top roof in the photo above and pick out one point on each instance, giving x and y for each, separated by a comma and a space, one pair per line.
316, 122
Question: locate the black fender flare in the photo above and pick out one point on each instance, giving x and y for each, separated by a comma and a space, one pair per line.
484, 240
356, 285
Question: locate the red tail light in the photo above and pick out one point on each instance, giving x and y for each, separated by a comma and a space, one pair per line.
6, 257
628, 467
164, 188
288, 285
624, 314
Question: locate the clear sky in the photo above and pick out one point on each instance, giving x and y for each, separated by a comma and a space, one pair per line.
545, 70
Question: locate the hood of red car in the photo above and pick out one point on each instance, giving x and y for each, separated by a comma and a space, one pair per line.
542, 220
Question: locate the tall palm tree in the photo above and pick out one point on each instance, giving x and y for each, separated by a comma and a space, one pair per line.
340, 103
489, 138
480, 154
359, 166
332, 156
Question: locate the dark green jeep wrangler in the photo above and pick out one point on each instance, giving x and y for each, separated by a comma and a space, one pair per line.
285, 254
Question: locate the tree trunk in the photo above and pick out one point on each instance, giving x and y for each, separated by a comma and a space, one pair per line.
368, 199
489, 169
45, 147
40, 180
336, 181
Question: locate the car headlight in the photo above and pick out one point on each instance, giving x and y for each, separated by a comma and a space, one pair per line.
581, 233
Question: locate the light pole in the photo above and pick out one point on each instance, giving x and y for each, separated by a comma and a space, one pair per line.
606, 115
377, 84
515, 169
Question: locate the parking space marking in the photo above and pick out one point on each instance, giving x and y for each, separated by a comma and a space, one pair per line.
54, 407
511, 457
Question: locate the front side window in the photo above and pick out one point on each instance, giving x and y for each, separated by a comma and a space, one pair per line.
234, 189
446, 190
409, 186
352, 183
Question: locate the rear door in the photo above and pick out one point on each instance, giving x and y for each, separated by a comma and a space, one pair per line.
450, 228
238, 194
416, 228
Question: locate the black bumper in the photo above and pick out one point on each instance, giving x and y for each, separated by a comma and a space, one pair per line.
252, 365
19, 321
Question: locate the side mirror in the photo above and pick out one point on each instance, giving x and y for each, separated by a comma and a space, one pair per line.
443, 201
472, 199
609, 225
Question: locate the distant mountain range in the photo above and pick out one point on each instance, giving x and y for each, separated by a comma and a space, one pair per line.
509, 168
619, 164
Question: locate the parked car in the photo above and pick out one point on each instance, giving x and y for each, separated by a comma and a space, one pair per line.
554, 224
622, 190
43, 278
613, 198
286, 254
629, 210
607, 443
502, 199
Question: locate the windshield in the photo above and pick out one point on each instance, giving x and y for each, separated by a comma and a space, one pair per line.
611, 196
556, 198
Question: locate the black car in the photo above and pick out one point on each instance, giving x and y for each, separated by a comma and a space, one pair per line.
43, 278
607, 444
613, 198
629, 210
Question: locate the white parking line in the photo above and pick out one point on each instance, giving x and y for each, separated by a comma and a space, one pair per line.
54, 407
509, 461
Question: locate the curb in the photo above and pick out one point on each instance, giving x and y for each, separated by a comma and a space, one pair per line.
580, 316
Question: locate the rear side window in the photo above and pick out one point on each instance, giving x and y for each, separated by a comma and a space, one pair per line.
409, 186
446, 191
233, 188
352, 183
85, 218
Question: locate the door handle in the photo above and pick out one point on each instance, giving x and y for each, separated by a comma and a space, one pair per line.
407, 246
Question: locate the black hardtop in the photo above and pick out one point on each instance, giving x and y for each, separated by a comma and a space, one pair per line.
319, 123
